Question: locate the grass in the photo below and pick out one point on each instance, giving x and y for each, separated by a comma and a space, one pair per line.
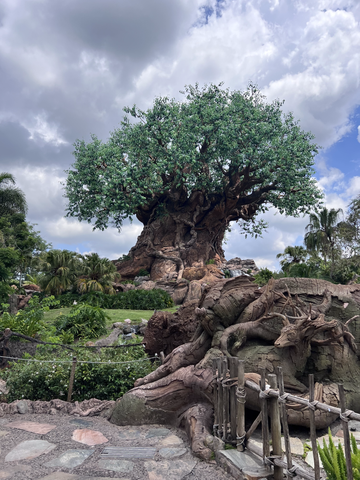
115, 315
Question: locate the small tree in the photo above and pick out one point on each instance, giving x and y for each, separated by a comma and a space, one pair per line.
188, 169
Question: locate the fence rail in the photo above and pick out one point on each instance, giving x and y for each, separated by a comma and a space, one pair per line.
229, 417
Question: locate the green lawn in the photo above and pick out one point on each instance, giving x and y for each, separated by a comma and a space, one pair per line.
115, 315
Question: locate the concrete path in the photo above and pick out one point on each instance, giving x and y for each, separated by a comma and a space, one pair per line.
64, 447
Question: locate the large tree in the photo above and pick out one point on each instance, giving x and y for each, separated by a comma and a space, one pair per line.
187, 169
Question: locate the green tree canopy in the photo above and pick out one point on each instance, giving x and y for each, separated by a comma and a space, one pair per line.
218, 156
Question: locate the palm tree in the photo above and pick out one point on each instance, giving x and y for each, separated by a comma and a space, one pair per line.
12, 199
292, 256
60, 268
98, 275
320, 236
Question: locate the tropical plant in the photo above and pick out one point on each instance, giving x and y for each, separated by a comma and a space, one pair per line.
292, 256
333, 459
12, 199
60, 268
321, 231
187, 169
98, 274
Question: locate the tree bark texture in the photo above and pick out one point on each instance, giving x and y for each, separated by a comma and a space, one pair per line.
185, 232
303, 325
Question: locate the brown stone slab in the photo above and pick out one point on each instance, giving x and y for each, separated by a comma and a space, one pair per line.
33, 427
89, 437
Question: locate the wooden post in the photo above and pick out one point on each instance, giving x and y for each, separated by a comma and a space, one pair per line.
344, 422
285, 422
71, 381
233, 405
219, 365
313, 428
240, 396
275, 427
225, 400
216, 400
264, 421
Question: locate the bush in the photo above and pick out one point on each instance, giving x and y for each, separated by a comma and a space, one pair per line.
133, 300
142, 300
263, 276
143, 273
83, 321
46, 380
28, 321
211, 261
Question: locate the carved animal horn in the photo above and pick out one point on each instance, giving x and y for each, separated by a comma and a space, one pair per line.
285, 320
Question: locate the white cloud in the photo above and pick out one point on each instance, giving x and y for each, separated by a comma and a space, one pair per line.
358, 136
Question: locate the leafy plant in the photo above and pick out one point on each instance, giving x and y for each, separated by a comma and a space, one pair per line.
28, 321
211, 261
333, 459
48, 378
83, 321
98, 274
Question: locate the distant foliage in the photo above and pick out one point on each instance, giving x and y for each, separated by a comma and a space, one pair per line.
143, 273
131, 300
263, 276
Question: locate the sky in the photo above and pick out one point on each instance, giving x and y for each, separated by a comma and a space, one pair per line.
68, 68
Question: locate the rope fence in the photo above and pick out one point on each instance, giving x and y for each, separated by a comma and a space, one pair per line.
229, 417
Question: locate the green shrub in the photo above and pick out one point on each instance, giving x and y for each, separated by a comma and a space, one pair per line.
143, 273
211, 261
142, 300
148, 299
46, 380
263, 276
28, 321
83, 321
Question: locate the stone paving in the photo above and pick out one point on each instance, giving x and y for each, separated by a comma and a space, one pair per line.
61, 447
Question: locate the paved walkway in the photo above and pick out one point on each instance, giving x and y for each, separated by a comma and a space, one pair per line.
64, 447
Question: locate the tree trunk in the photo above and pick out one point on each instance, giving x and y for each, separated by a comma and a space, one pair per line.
184, 235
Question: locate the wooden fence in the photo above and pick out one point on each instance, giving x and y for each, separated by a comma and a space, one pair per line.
229, 421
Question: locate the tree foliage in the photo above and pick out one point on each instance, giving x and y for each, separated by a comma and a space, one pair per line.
98, 274
12, 199
231, 146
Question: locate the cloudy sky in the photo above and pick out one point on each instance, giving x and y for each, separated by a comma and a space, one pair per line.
67, 69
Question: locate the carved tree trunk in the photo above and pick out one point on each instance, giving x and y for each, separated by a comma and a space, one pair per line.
182, 232
268, 327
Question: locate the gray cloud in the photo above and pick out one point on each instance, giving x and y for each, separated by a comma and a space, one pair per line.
67, 69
